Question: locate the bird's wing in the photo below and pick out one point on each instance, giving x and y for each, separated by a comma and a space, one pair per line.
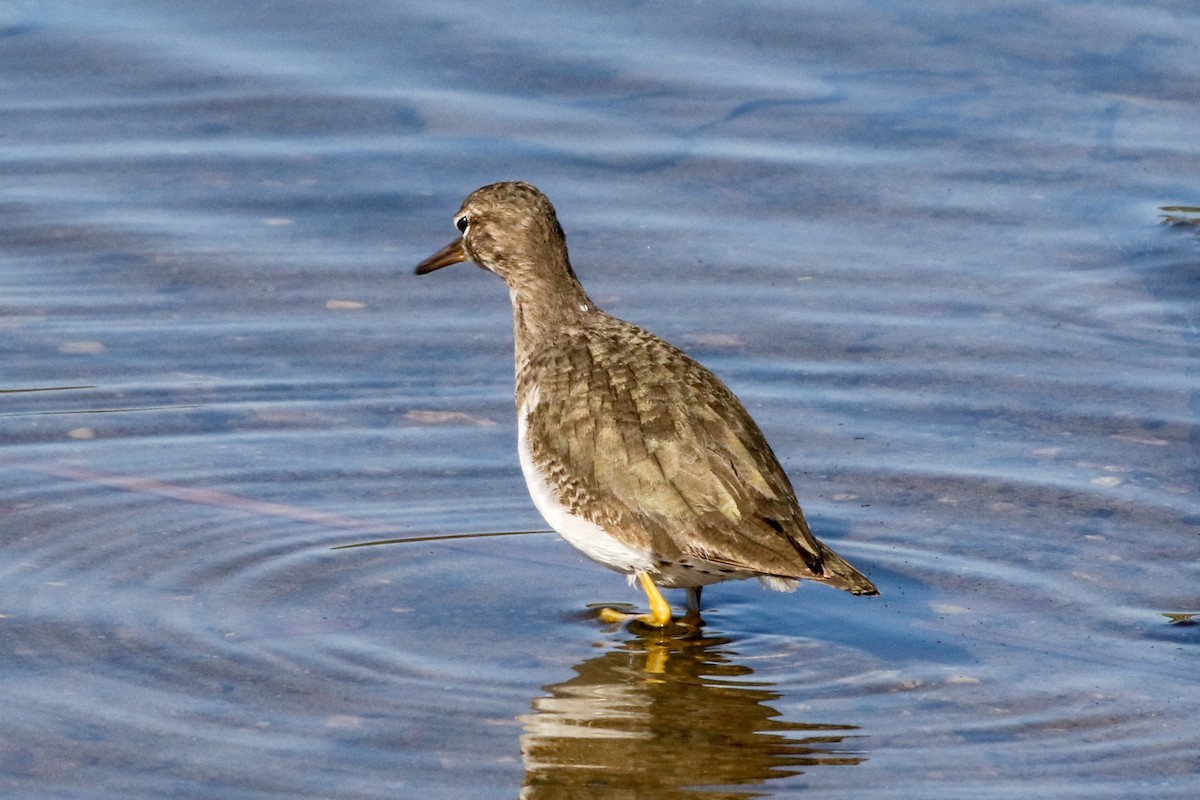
651, 446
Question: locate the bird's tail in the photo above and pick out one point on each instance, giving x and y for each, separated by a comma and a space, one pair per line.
840, 574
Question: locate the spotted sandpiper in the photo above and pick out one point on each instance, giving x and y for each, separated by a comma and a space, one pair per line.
633, 452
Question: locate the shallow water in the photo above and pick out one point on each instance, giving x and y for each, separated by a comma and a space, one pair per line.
921, 241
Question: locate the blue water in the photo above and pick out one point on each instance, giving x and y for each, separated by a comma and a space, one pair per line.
922, 242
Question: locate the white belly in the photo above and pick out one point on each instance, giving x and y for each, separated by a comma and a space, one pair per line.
582, 534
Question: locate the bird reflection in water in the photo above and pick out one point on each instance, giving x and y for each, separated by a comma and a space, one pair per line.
665, 717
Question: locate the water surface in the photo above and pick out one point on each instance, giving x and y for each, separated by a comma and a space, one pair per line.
921, 241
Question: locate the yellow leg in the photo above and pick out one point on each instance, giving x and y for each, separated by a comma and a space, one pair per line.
660, 611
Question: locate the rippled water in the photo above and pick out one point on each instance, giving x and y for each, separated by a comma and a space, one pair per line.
920, 240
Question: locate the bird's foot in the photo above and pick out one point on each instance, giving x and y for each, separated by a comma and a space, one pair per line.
614, 616
660, 611
684, 626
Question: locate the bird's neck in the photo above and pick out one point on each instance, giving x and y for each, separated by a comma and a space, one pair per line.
546, 309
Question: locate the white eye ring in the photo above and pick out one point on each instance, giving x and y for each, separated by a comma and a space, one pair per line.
462, 223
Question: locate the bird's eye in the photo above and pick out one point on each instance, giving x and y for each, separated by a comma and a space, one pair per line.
461, 223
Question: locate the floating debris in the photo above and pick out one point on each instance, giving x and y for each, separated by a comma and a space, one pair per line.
447, 418
1180, 215
81, 347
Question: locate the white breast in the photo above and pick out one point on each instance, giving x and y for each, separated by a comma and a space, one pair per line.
582, 534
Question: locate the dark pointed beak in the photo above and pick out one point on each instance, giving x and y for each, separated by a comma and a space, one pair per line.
452, 253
